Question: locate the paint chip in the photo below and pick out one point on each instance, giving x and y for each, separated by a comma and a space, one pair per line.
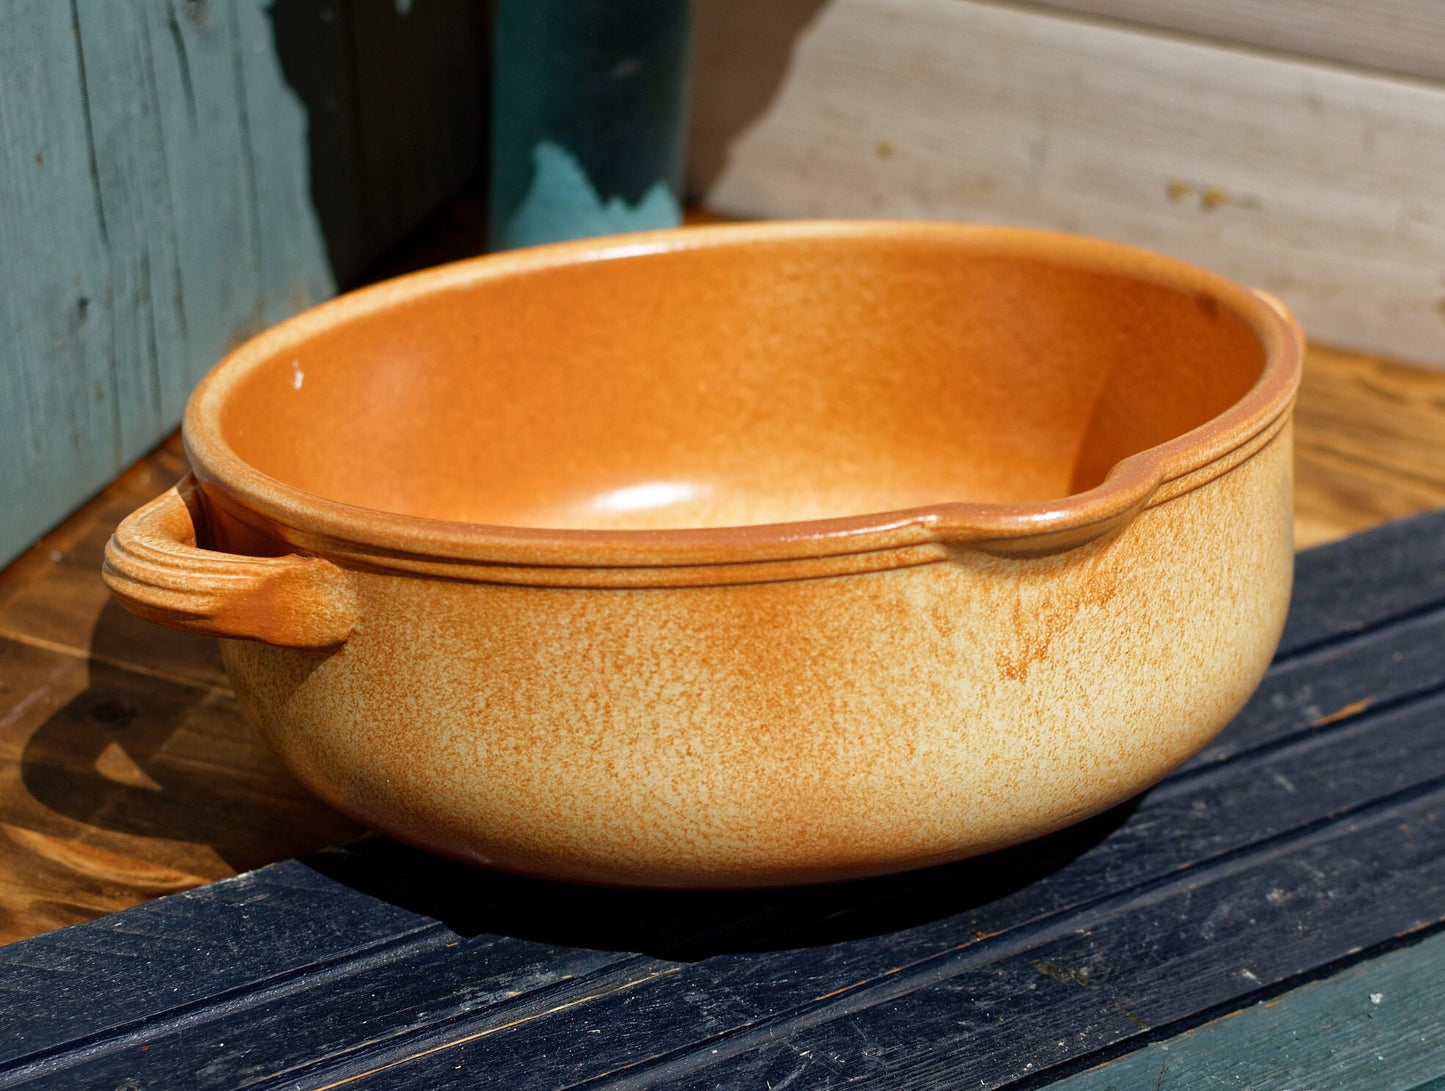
297, 375
1375, 998
1064, 975
1354, 708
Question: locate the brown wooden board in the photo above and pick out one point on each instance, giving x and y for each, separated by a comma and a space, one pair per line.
126, 771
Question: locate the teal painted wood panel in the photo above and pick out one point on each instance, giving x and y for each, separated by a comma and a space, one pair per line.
61, 433
176, 175
1379, 1025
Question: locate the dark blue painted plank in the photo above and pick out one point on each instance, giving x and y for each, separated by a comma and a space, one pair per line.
282, 1034
1161, 961
76, 983
991, 1014
1366, 580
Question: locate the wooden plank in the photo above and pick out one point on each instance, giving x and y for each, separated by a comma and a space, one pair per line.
1401, 37
56, 382
1330, 684
117, 779
1376, 1025
985, 1012
47, 881
288, 916
465, 975
1106, 979
53, 598
1369, 443
123, 104
786, 958
1367, 580
1226, 157
313, 47
290, 255
161, 206
260, 940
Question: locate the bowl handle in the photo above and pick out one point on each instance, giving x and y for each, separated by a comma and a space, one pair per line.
155, 569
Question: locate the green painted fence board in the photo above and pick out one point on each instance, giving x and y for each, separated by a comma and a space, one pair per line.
176, 175
1379, 1025
57, 385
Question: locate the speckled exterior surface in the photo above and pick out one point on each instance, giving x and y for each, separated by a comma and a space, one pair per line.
789, 731
747, 702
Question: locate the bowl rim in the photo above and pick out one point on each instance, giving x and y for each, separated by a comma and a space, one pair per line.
323, 525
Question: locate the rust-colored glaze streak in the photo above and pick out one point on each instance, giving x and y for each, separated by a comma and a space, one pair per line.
744, 556
1050, 601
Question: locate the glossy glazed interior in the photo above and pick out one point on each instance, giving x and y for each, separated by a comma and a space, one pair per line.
802, 377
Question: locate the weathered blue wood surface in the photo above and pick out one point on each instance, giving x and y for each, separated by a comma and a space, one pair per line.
1309, 838
1376, 1026
176, 175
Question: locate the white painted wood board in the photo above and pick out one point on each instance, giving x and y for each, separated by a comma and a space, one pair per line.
1404, 37
1324, 185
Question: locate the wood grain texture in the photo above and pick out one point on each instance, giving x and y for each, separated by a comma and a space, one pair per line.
51, 597
1316, 182
116, 786
1375, 1025
1369, 444
160, 203
1400, 37
126, 770
1313, 834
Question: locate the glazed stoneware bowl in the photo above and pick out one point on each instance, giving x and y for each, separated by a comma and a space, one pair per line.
742, 555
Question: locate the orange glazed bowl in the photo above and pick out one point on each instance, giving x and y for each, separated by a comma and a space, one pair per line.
741, 555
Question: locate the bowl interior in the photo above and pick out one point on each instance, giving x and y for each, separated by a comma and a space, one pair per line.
740, 384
